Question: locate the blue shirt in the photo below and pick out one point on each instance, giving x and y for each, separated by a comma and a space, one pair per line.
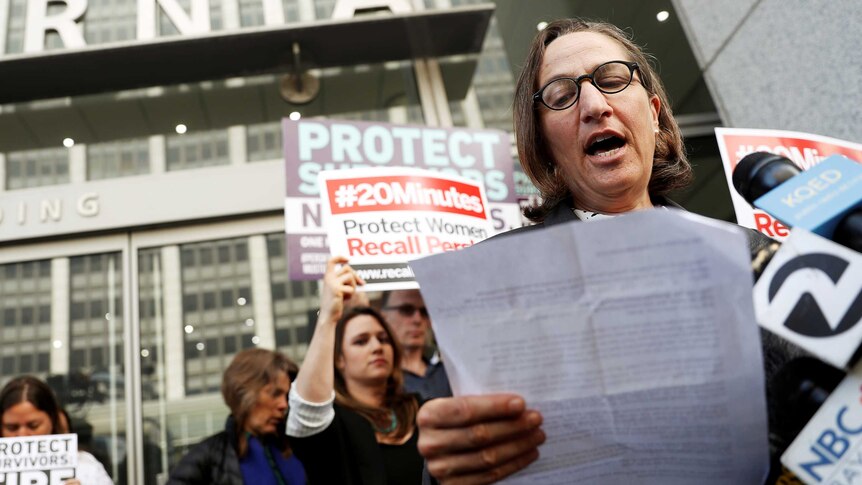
256, 468
435, 382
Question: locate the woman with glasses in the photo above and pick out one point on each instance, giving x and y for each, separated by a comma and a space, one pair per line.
596, 136
350, 420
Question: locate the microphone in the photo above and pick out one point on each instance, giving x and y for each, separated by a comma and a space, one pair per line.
797, 391
827, 448
810, 292
826, 200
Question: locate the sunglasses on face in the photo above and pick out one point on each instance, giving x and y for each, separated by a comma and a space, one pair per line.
408, 310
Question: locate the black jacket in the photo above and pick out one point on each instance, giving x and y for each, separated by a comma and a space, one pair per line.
212, 461
345, 453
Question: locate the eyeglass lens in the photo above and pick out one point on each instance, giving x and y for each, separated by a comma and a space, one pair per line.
609, 78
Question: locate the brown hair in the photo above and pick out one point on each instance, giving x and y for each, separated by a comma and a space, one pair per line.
404, 405
670, 169
250, 371
33, 390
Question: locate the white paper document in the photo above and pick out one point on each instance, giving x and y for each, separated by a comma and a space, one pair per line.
635, 337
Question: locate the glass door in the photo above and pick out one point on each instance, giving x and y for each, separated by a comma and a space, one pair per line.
204, 293
65, 320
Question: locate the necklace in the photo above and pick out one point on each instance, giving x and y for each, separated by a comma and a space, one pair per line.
393, 423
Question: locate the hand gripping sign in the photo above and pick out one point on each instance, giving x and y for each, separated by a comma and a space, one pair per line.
38, 460
382, 218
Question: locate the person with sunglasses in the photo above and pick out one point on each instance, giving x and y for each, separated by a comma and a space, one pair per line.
405, 312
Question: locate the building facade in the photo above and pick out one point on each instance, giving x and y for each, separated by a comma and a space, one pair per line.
141, 223
141, 227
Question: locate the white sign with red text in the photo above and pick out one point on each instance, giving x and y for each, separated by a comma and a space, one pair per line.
382, 218
312, 146
804, 149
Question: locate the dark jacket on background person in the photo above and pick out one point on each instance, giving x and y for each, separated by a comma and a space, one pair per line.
214, 460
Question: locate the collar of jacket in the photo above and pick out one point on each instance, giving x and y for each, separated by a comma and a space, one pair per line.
562, 212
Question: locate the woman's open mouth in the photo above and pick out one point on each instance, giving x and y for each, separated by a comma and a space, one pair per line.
605, 146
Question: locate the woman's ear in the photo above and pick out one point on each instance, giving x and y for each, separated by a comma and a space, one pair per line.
655, 104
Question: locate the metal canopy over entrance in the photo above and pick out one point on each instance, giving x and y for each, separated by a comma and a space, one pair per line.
174, 60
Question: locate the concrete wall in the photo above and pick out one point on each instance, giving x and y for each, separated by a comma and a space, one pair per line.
782, 64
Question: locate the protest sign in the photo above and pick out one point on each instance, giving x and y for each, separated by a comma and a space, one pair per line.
804, 149
312, 146
38, 460
380, 219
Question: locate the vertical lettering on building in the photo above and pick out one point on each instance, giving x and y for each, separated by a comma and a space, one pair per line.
65, 23
197, 21
51, 210
22, 213
88, 205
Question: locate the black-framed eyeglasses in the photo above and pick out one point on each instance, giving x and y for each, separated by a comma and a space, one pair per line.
408, 310
609, 78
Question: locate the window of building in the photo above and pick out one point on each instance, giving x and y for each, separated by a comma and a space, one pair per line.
96, 311
264, 142
290, 308
110, 21
222, 288
118, 159
26, 294
196, 150
37, 168
251, 12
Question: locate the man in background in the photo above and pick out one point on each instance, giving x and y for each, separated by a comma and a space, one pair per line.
406, 313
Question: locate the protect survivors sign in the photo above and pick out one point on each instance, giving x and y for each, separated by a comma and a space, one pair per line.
312, 146
804, 149
382, 218
38, 460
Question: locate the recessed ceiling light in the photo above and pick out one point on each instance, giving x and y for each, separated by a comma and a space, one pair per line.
541, 26
181, 129
662, 16
68, 142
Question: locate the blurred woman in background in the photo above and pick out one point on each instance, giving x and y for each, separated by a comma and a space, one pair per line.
28, 407
253, 449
